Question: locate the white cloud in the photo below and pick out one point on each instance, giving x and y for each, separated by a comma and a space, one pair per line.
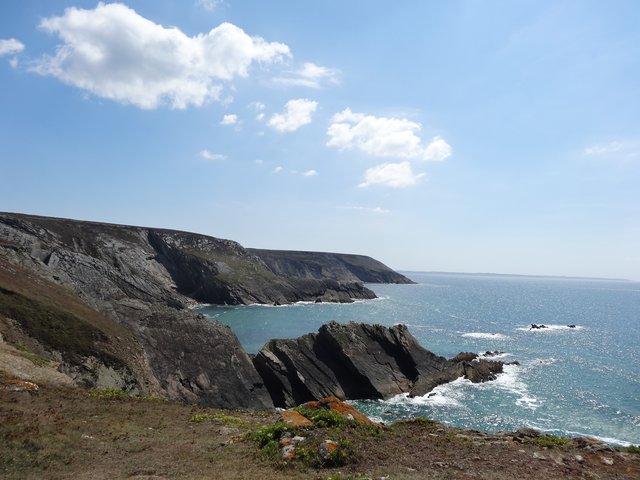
376, 210
209, 5
229, 120
608, 148
297, 113
277, 170
207, 155
260, 116
310, 173
396, 175
10, 46
14, 62
112, 52
258, 161
309, 75
383, 137
619, 151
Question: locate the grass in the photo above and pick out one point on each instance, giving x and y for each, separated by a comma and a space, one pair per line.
117, 394
219, 418
548, 441
37, 360
322, 418
53, 327
634, 449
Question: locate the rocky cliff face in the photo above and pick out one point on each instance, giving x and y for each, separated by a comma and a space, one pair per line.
356, 361
110, 304
320, 265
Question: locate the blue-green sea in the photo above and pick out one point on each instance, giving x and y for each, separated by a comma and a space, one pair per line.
570, 381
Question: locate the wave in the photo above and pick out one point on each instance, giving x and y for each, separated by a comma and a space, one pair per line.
486, 336
610, 440
551, 328
447, 395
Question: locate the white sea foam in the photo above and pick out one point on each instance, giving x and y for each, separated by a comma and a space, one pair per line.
551, 328
494, 357
486, 336
610, 440
447, 395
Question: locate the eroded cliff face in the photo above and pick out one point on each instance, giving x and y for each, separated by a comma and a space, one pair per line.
111, 306
337, 266
358, 361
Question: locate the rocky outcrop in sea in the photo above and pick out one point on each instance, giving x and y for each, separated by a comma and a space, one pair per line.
358, 361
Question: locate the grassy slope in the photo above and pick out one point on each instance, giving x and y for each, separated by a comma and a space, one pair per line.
59, 320
66, 433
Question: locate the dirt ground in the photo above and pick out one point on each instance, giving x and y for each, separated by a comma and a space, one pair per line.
62, 432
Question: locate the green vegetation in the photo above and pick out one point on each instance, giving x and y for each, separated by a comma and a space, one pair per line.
117, 394
53, 327
634, 449
270, 433
37, 360
219, 418
322, 418
548, 441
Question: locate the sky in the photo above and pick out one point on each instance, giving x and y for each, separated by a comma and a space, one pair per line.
459, 136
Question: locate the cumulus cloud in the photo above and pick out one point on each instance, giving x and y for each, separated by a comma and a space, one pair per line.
112, 52
10, 46
207, 155
309, 75
396, 175
383, 137
231, 119
310, 173
297, 113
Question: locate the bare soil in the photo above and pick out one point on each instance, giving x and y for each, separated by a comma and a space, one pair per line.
62, 432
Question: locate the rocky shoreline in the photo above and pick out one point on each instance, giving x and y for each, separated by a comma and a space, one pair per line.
110, 305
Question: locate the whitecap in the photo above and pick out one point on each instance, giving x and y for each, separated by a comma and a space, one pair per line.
447, 395
486, 336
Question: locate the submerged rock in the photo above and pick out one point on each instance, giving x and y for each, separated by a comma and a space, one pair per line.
358, 361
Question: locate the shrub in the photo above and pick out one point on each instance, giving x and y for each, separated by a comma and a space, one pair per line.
322, 418
548, 441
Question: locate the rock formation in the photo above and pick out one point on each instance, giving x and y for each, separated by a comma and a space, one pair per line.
110, 304
356, 361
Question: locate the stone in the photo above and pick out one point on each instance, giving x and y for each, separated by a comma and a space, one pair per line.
326, 448
358, 361
288, 452
606, 460
293, 418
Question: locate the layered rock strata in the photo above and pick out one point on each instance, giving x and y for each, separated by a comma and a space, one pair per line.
358, 361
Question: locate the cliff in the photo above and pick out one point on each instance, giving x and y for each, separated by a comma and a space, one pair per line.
356, 361
337, 266
110, 305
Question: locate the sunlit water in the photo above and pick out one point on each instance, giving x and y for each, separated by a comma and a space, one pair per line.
571, 381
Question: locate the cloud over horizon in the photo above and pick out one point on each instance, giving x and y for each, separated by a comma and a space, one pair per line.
297, 113
113, 52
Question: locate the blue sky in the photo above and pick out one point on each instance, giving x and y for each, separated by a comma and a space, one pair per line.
469, 136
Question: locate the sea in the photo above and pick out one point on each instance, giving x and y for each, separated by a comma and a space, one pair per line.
580, 381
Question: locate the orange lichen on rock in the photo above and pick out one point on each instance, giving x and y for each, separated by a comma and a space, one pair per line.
293, 418
347, 411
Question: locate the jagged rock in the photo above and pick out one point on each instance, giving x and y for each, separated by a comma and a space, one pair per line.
464, 357
355, 361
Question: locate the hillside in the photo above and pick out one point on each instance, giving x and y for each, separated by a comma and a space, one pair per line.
110, 304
